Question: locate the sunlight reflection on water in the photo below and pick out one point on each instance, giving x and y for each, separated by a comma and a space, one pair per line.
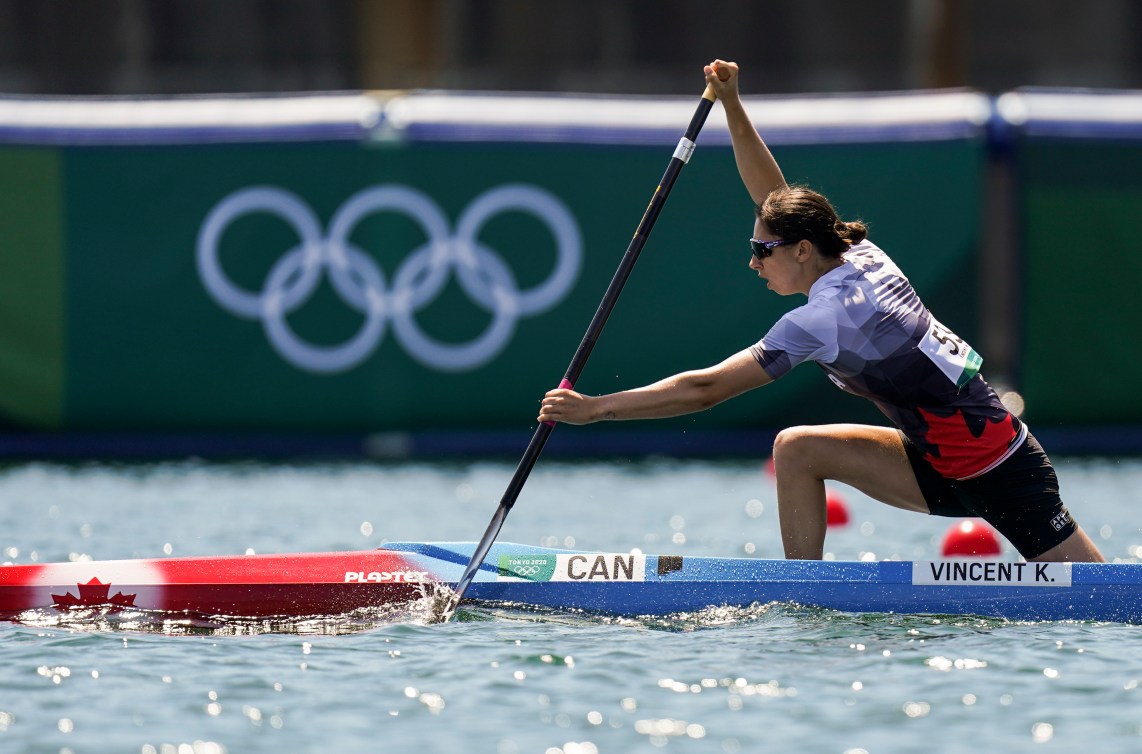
507, 679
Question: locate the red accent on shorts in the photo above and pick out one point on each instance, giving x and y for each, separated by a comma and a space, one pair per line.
961, 453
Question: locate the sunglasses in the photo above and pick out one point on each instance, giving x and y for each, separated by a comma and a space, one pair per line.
764, 249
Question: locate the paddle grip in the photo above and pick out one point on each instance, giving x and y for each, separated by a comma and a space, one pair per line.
564, 384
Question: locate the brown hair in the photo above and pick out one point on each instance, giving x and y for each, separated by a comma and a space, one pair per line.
795, 212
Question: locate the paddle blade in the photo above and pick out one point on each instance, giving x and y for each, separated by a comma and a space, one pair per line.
477, 560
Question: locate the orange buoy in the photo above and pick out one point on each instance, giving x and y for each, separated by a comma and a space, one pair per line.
971, 538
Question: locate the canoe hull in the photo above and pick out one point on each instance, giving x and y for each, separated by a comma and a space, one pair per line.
249, 586
311, 584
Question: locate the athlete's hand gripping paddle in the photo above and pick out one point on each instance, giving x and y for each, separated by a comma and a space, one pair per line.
543, 431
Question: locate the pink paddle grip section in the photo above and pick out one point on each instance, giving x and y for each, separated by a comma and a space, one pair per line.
564, 384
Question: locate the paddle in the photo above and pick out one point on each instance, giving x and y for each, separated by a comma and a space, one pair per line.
543, 431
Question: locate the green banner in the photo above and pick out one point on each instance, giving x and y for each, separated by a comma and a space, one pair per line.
357, 287
1082, 201
32, 288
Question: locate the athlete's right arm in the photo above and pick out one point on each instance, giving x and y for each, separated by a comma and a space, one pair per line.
758, 169
683, 393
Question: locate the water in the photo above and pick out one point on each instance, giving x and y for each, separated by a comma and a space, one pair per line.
769, 678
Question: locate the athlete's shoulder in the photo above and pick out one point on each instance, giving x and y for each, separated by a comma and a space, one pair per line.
872, 260
866, 252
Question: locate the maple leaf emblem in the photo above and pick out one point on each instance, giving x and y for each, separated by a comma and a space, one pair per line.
94, 593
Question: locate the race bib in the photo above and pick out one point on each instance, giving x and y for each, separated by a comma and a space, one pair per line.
955, 358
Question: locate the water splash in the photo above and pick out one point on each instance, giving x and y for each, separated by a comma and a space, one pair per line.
425, 610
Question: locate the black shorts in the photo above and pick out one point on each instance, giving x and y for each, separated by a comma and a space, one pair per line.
1020, 497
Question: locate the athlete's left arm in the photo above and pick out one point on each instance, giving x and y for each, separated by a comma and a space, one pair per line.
683, 393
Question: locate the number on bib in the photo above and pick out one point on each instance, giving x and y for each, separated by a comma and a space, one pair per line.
955, 358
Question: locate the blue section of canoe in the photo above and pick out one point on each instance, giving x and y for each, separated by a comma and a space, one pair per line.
1103, 592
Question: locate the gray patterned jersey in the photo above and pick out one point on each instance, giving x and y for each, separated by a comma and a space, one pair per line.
867, 328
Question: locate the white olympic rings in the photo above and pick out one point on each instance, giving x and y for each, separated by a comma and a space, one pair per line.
356, 278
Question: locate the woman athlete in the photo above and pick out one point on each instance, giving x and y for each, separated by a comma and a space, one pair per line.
955, 451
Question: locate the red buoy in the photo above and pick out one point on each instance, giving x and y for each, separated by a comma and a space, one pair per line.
836, 510
971, 538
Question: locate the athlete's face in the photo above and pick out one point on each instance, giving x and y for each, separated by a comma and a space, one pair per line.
774, 263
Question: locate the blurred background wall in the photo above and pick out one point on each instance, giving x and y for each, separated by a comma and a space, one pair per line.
112, 322
134, 47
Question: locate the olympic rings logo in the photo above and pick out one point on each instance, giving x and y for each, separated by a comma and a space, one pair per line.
529, 570
482, 273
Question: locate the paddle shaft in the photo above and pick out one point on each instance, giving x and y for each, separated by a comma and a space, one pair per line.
579, 361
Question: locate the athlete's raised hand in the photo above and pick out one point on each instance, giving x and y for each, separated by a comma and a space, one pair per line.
722, 75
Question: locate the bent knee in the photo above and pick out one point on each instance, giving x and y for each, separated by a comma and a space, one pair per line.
798, 445
844, 449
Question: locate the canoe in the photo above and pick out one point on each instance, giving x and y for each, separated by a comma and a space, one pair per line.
629, 584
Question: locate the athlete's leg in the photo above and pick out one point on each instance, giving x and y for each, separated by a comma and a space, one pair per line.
872, 459
1077, 548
